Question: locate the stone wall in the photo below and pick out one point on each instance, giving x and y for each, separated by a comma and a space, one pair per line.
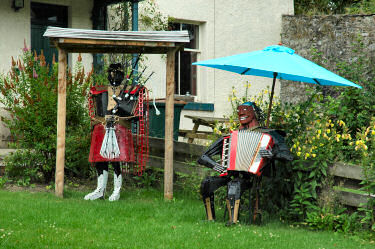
334, 36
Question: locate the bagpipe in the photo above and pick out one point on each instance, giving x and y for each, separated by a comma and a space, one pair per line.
129, 102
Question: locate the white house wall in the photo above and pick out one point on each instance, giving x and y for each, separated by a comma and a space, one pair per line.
226, 28
15, 28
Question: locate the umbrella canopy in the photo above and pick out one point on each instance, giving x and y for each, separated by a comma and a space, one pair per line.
277, 62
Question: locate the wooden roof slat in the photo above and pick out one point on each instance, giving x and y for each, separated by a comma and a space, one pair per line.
153, 36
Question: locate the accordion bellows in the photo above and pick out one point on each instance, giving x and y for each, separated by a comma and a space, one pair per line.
241, 151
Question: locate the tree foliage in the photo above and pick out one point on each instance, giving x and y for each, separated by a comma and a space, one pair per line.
29, 94
316, 7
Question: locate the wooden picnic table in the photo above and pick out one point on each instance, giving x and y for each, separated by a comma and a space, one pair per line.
205, 121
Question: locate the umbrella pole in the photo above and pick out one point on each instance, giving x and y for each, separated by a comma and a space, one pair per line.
271, 97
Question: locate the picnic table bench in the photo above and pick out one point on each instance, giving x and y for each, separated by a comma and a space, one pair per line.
204, 121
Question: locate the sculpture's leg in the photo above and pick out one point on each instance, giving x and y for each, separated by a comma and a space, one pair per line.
208, 187
233, 200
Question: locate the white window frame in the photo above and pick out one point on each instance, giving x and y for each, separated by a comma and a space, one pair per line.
197, 51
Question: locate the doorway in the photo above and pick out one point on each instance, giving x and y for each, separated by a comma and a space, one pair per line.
42, 16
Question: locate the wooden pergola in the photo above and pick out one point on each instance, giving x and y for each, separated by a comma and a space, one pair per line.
95, 41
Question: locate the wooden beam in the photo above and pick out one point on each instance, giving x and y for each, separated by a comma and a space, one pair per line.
351, 199
190, 150
98, 42
179, 167
169, 116
108, 49
61, 118
346, 170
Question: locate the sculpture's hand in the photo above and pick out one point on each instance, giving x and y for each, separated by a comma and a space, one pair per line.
265, 153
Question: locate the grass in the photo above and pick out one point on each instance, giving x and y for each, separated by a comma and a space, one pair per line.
141, 219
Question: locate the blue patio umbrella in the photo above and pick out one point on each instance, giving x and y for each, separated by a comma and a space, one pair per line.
277, 62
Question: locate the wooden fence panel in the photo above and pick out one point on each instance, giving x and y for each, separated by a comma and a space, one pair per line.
347, 179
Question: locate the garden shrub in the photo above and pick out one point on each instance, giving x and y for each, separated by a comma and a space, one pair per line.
29, 95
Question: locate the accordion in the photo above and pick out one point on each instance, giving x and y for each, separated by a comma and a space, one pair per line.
241, 151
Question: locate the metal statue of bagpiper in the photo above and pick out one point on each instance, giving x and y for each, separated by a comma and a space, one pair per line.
245, 155
119, 129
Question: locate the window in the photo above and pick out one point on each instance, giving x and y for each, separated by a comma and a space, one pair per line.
185, 73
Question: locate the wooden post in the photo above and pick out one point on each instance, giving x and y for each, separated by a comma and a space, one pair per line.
61, 117
169, 116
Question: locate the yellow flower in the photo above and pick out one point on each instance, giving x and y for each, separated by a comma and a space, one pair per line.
372, 132
313, 155
294, 146
328, 131
319, 131
307, 155
338, 136
298, 153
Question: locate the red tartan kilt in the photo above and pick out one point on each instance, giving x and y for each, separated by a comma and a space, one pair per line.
125, 143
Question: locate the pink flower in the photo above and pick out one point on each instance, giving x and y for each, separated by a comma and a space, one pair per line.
35, 75
25, 48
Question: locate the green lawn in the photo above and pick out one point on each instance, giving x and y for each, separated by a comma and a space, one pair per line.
141, 219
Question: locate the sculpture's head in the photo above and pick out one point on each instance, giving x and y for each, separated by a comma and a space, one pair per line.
115, 74
249, 115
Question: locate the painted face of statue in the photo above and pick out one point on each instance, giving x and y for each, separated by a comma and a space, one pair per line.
115, 74
246, 114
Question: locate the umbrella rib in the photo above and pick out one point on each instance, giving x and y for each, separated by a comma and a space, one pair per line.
247, 69
317, 82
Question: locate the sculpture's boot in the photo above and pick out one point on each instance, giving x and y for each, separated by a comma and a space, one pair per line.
100, 189
117, 183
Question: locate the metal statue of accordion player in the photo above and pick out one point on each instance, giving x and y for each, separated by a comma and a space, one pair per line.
119, 131
246, 155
